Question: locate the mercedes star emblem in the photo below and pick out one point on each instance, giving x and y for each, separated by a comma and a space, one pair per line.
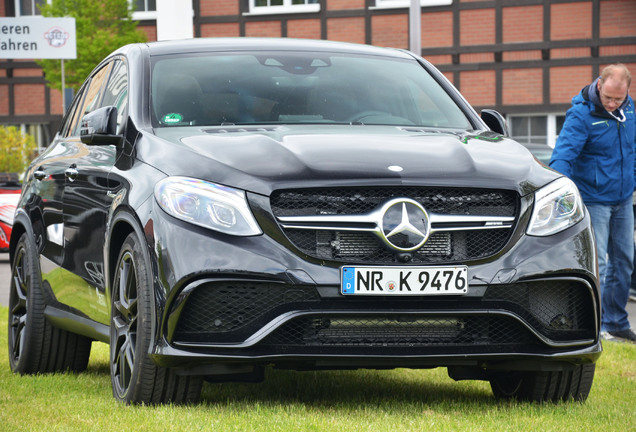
405, 224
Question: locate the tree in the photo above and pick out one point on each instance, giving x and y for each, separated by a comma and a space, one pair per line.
16, 149
101, 27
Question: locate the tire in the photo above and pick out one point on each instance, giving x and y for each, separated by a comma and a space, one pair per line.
35, 346
541, 386
135, 378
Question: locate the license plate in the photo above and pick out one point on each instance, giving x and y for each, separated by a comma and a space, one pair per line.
450, 280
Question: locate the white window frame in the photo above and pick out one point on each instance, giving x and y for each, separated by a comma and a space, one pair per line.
394, 4
286, 8
142, 15
18, 9
551, 126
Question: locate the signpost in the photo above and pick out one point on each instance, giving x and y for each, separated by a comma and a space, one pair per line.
38, 38
415, 27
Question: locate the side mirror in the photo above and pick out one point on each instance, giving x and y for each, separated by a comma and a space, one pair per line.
100, 127
495, 121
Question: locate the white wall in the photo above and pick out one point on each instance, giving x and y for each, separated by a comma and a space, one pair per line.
174, 19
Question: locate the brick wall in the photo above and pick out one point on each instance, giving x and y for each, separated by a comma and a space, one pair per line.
571, 21
618, 18
522, 86
437, 29
304, 28
263, 29
346, 29
28, 99
219, 7
4, 100
477, 27
390, 31
220, 30
522, 24
344, 4
478, 87
567, 81
532, 71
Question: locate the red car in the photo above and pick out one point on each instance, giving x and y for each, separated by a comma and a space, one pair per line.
9, 196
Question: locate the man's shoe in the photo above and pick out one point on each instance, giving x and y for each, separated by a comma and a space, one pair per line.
632, 295
624, 335
607, 337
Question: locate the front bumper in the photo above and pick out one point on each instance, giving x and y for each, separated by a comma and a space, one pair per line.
254, 300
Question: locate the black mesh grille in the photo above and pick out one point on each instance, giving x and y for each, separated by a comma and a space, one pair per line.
231, 311
324, 201
482, 333
365, 247
559, 310
368, 248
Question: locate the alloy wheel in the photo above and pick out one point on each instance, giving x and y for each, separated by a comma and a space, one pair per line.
18, 306
124, 324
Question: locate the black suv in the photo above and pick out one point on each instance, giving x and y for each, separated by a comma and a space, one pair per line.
214, 207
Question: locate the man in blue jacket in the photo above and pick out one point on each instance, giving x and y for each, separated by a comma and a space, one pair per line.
596, 150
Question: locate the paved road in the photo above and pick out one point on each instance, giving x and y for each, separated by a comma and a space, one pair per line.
5, 277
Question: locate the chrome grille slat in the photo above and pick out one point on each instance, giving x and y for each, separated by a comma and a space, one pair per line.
345, 224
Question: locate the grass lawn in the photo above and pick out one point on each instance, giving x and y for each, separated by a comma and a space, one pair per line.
398, 400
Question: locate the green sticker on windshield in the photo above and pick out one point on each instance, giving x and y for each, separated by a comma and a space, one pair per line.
172, 118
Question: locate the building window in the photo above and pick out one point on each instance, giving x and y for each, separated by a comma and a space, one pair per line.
263, 7
388, 4
144, 9
537, 129
28, 7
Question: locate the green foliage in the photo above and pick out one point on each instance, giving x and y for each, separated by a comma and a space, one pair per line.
101, 27
16, 149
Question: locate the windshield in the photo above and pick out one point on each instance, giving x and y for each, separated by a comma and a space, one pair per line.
298, 88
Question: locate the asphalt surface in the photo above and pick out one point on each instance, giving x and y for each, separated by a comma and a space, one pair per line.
5, 278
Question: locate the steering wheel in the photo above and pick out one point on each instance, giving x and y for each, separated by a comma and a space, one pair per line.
359, 116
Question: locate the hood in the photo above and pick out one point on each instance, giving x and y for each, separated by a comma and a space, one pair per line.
261, 160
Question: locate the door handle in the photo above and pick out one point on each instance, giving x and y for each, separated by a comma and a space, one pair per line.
71, 173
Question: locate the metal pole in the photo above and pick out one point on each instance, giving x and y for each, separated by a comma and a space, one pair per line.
63, 90
415, 27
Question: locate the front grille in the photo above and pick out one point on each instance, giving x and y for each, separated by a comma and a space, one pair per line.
462, 201
560, 311
348, 244
363, 247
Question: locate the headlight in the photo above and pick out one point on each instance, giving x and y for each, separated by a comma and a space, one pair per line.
557, 206
207, 204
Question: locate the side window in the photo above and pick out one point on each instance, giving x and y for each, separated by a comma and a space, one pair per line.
91, 99
116, 93
67, 126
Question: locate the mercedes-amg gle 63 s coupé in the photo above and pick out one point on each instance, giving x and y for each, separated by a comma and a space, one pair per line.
212, 208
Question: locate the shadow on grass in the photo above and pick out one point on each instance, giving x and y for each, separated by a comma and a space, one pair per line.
353, 389
347, 388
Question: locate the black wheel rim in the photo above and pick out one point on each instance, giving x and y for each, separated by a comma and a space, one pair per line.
18, 305
124, 325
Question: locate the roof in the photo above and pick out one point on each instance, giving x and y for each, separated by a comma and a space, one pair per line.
264, 44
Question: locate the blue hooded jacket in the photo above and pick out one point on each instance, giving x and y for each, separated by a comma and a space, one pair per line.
596, 150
